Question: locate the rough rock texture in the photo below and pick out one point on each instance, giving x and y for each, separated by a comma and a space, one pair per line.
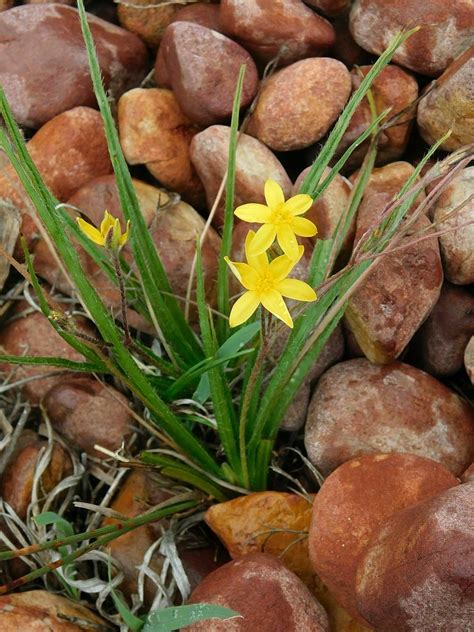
202, 67
154, 130
359, 408
269, 597
446, 30
448, 105
43, 62
269, 28
457, 246
255, 163
417, 572
208, 15
318, 88
148, 21
469, 359
354, 501
345, 48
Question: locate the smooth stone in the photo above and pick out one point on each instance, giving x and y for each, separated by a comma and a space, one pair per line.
331, 8
208, 15
469, 359
147, 19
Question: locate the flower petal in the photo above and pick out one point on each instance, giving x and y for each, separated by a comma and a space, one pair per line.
273, 194
246, 275
243, 308
273, 301
287, 240
281, 267
90, 231
304, 227
258, 213
299, 204
107, 223
297, 290
264, 238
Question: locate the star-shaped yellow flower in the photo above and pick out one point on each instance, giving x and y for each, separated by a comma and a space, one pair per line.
109, 234
280, 219
266, 284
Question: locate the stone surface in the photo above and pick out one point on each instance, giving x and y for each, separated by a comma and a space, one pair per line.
208, 15
345, 48
354, 501
393, 89
147, 19
202, 67
449, 105
86, 413
446, 30
269, 597
359, 408
469, 359
255, 163
417, 572
468, 475
457, 244
329, 7
286, 28
6, 4
443, 337
43, 62
16, 482
42, 611
154, 130
318, 88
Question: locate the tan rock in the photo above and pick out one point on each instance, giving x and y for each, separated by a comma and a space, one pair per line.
6, 4
147, 19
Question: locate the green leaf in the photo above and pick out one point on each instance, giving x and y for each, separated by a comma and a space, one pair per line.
63, 527
62, 363
178, 617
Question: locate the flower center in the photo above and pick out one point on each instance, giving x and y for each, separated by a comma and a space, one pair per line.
281, 215
264, 284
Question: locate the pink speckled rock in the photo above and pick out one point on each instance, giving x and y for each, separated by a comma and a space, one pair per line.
255, 163
269, 597
298, 104
417, 574
202, 67
43, 62
359, 408
268, 28
446, 30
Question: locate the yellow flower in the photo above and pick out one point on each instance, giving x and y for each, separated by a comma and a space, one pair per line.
266, 284
280, 219
109, 234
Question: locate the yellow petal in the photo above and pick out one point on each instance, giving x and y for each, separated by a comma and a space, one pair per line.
297, 290
304, 227
281, 267
90, 231
287, 240
299, 204
234, 268
273, 301
126, 234
258, 262
107, 223
243, 308
258, 213
246, 275
264, 238
273, 194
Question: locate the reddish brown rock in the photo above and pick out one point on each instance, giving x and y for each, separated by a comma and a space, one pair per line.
43, 64
448, 105
446, 30
359, 408
469, 359
319, 89
154, 131
345, 48
329, 7
287, 28
269, 597
468, 475
388, 179
147, 19
354, 501
202, 67
208, 15
442, 339
417, 572
255, 163
88, 413
17, 479
6, 4
453, 209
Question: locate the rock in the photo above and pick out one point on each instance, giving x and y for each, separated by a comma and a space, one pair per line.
457, 245
87, 412
43, 63
329, 7
388, 179
359, 408
269, 597
147, 19
442, 339
10, 222
198, 563
6, 4
34, 335
202, 67
345, 48
468, 475
42, 611
154, 131
417, 571
268, 29
208, 15
255, 163
16, 483
354, 501
319, 88
469, 359
393, 89
49, 2
445, 31
448, 105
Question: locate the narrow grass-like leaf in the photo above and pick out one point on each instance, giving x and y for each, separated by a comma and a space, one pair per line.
175, 618
60, 363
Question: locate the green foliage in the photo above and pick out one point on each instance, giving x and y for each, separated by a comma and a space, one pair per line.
169, 619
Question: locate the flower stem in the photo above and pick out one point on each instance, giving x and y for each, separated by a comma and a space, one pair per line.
123, 304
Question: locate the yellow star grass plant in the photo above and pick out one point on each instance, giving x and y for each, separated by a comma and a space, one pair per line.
280, 220
109, 234
266, 284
